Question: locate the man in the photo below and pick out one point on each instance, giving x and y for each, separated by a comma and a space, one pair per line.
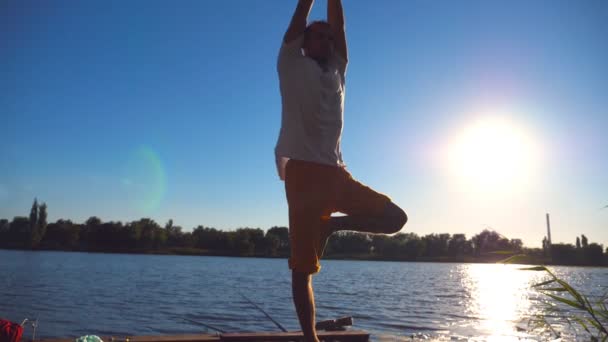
312, 66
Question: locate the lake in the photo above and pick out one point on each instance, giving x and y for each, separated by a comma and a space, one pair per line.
74, 294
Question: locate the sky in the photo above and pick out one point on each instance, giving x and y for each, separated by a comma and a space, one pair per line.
468, 114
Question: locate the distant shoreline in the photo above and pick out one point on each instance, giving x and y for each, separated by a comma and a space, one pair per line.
145, 236
518, 259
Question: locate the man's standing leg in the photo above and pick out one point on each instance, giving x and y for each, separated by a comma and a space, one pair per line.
304, 300
309, 195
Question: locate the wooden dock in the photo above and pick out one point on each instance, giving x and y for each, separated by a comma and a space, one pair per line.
341, 336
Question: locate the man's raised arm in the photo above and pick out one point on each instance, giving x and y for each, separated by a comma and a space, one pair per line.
335, 17
298, 21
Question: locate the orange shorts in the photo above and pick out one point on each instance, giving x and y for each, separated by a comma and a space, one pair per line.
314, 192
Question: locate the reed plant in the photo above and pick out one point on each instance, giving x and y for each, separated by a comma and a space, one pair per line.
592, 316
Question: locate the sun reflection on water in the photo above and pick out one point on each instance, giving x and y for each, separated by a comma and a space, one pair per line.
500, 298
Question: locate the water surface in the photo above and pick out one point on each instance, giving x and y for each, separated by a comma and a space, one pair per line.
74, 294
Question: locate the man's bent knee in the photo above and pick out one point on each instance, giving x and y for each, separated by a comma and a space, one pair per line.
395, 217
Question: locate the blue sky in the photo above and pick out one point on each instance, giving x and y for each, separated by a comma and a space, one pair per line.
125, 110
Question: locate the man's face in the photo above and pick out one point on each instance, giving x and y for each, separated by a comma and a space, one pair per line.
319, 42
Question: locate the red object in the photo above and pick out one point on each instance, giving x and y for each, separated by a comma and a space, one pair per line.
9, 331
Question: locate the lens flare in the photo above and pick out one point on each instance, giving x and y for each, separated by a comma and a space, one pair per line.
145, 180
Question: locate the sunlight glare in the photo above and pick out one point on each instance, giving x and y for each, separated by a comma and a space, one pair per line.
492, 155
501, 299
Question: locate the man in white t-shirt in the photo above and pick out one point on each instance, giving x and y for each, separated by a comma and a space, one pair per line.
312, 71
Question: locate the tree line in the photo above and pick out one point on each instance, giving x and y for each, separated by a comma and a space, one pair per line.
147, 236
581, 253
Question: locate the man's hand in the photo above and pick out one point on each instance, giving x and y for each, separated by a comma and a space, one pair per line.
335, 17
298, 21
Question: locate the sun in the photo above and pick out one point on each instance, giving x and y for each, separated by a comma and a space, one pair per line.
492, 154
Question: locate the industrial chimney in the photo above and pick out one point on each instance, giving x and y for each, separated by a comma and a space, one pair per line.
548, 230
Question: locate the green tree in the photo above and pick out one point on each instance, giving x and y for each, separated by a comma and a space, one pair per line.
593, 254
349, 243
39, 229
516, 245
564, 254
149, 237
436, 244
489, 241
173, 234
134, 234
271, 245
61, 235
478, 244
160, 238
388, 247
19, 232
34, 215
401, 246
91, 235
42, 218
4, 232
111, 236
247, 241
252, 238
457, 244
413, 246
281, 236
186, 240
211, 239
578, 243
584, 241
442, 244
33, 222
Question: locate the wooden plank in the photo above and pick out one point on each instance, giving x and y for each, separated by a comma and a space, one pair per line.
151, 338
172, 338
346, 336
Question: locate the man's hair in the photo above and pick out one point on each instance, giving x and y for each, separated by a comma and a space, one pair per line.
316, 22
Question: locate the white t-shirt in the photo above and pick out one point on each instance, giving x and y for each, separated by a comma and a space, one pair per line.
313, 105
